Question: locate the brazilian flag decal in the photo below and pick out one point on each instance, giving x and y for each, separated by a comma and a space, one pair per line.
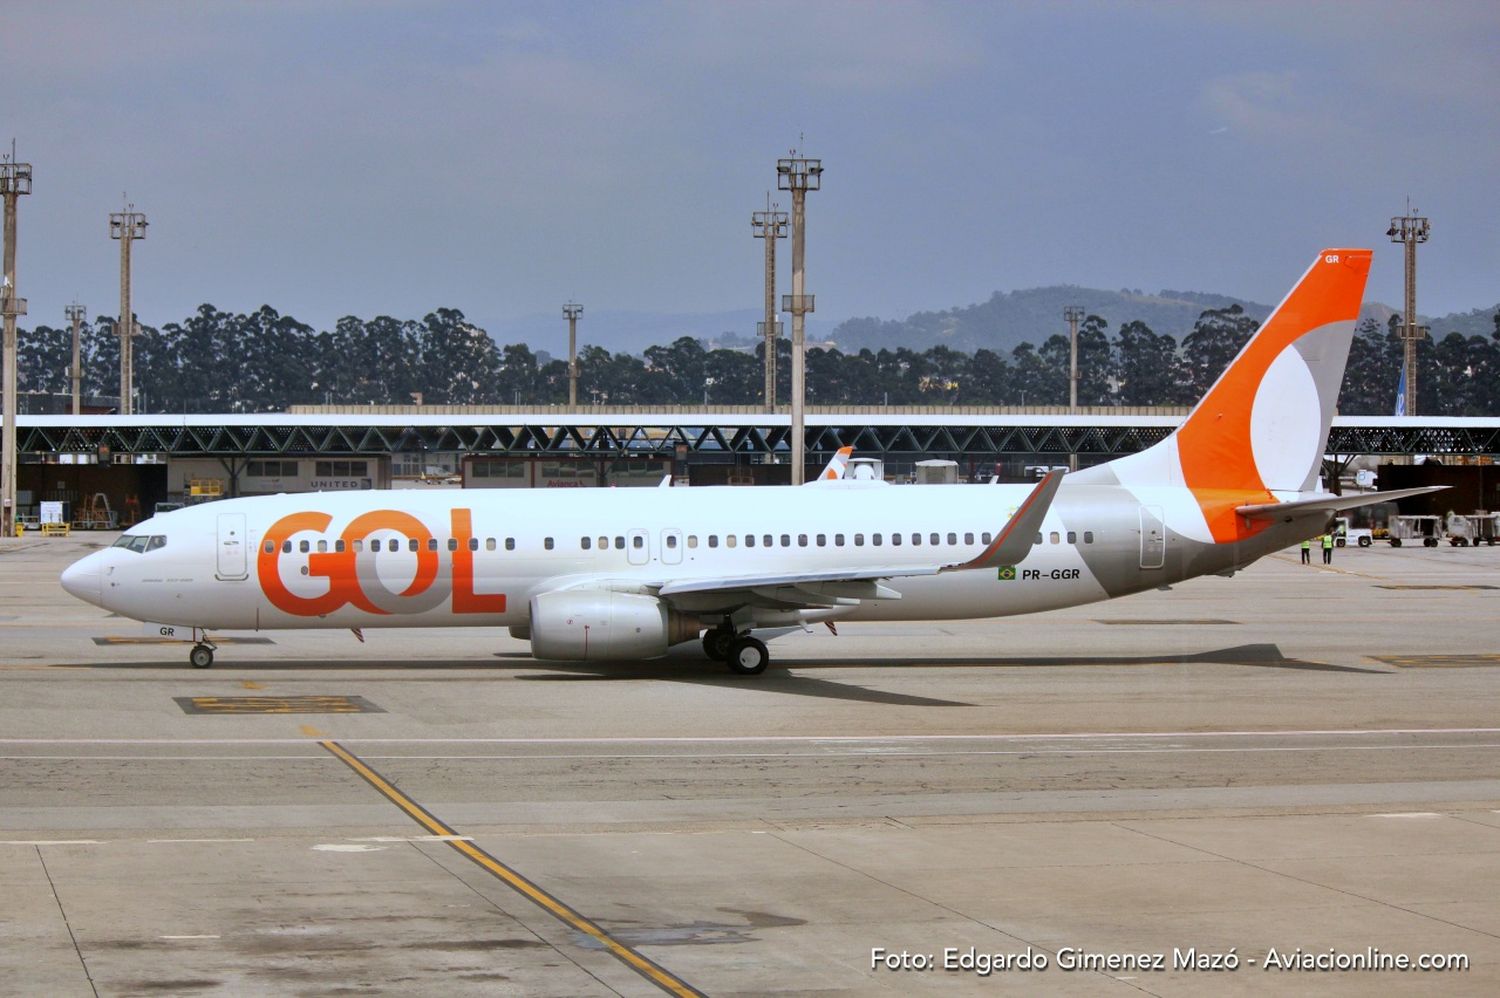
1007, 573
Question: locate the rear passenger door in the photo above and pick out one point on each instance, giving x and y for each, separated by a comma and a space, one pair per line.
671, 546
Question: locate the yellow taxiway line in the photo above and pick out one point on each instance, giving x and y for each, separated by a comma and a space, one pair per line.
646, 967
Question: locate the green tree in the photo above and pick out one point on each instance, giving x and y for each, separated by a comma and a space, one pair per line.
987, 380
1147, 366
1217, 338
1098, 372
1373, 371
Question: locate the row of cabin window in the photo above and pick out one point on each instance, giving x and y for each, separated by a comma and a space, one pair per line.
769, 540
1055, 538
391, 544
821, 540
638, 542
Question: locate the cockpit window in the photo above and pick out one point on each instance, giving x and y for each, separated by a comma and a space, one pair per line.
141, 543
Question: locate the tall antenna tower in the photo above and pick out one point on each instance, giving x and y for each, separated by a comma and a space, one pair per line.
571, 311
770, 225
1410, 229
127, 226
798, 175
15, 180
76, 313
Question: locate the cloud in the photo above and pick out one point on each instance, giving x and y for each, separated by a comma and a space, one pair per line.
845, 46
1265, 105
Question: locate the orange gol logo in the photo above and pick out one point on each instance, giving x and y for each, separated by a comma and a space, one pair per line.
352, 578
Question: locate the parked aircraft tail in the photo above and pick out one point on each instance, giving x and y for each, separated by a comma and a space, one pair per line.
1263, 426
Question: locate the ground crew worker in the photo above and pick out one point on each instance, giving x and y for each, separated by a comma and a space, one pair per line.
1307, 552
1328, 549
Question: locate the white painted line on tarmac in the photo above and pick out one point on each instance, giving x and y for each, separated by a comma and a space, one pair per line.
894, 752
416, 838
183, 841
1408, 814
754, 739
897, 753
157, 758
189, 937
50, 842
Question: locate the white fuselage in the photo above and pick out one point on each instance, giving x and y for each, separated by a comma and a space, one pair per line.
476, 557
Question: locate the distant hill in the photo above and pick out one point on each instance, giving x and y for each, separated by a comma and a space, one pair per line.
1477, 322
1010, 318
1002, 322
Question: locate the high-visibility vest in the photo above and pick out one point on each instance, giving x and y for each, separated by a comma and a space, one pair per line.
1327, 541
1306, 544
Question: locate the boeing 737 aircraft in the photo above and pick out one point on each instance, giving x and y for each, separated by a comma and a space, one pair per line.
627, 573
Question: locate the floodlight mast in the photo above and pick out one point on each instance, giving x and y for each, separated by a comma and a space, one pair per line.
798, 175
769, 225
76, 313
15, 180
1072, 314
1410, 229
127, 226
571, 311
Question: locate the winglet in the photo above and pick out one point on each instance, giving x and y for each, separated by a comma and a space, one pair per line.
1019, 534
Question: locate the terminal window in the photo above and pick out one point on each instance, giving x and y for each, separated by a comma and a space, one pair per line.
270, 469
341, 469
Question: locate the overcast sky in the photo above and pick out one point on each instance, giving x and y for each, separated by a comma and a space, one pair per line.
365, 157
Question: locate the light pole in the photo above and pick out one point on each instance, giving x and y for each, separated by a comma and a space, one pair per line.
127, 226
798, 175
15, 180
770, 225
1073, 313
572, 310
1410, 229
76, 313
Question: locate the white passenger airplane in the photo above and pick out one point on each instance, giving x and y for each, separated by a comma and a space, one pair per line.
626, 573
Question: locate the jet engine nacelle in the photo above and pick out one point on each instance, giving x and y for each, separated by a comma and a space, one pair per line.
598, 624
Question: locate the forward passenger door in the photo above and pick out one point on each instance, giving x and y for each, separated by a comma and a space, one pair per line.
638, 546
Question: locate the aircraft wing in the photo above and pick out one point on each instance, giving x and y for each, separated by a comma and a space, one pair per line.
1327, 504
848, 586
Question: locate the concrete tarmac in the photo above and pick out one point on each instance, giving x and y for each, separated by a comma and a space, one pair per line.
1296, 764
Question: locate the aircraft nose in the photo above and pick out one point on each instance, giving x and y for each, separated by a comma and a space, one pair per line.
82, 578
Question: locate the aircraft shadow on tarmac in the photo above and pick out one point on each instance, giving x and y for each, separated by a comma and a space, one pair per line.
780, 677
785, 676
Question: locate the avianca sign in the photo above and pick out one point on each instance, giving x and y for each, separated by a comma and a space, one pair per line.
350, 566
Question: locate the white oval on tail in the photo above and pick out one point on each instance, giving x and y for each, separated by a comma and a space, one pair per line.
1286, 422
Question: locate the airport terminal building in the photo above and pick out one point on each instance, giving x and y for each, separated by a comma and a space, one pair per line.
135, 462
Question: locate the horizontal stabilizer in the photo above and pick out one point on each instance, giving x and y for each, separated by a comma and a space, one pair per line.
1328, 504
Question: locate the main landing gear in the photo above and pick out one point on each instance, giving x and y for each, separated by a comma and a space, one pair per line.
202, 655
745, 656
